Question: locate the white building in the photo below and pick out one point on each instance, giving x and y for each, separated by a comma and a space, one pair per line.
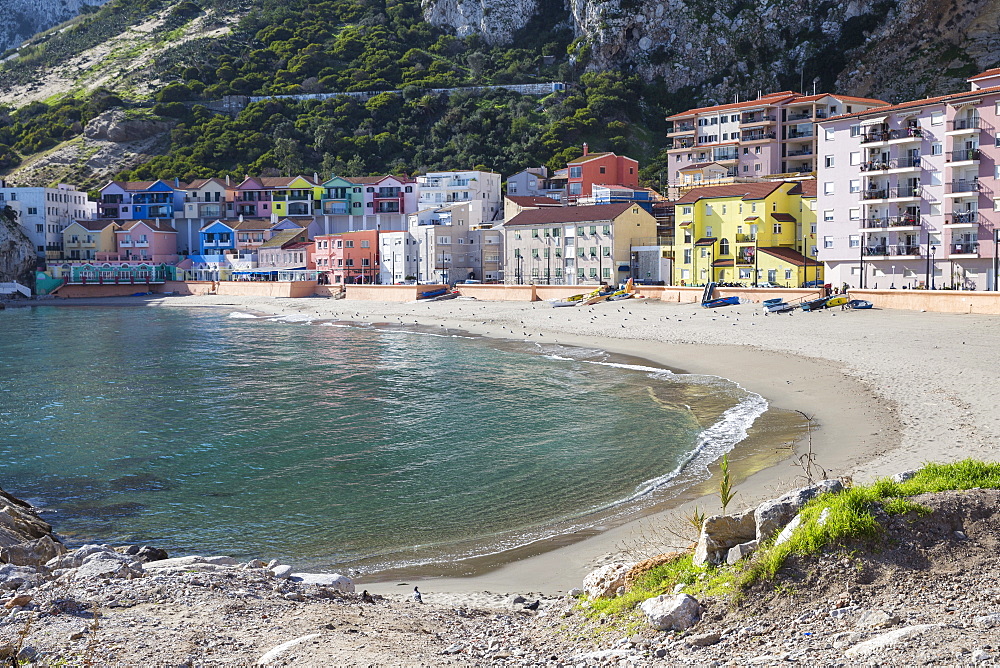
439, 189
46, 212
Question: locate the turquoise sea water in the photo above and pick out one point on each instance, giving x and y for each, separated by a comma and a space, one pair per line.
201, 431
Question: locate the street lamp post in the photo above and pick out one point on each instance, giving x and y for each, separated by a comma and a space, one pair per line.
996, 257
932, 267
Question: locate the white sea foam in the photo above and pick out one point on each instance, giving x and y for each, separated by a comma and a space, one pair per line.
242, 316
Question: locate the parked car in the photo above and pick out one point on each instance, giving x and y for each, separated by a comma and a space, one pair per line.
768, 284
813, 284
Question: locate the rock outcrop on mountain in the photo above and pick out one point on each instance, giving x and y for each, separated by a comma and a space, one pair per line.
24, 18
17, 255
497, 21
113, 125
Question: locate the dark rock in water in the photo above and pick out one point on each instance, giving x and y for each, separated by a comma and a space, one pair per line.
144, 554
139, 482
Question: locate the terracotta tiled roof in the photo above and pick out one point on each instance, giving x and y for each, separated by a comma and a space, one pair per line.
551, 215
283, 181
769, 99
789, 255
155, 225
201, 183
808, 187
846, 98
363, 180
95, 225
706, 241
723, 263
281, 238
533, 200
698, 165
783, 217
746, 191
589, 156
250, 224
911, 104
988, 73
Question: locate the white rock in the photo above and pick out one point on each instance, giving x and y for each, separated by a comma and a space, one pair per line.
988, 621
788, 530
282, 572
575, 591
776, 513
671, 613
876, 619
889, 639
272, 655
605, 581
903, 476
741, 551
332, 580
719, 533
602, 655
183, 562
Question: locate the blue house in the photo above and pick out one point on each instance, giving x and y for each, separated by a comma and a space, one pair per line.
141, 200
216, 238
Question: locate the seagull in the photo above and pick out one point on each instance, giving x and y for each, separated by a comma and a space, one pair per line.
366, 597
532, 606
416, 596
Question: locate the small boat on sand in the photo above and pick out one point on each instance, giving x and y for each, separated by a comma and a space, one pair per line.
432, 293
575, 300
815, 304
857, 304
723, 301
836, 300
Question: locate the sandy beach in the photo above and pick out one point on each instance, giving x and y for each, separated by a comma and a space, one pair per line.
887, 391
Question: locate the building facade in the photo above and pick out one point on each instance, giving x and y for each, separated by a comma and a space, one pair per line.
592, 169
908, 193
538, 182
748, 233
350, 257
575, 245
439, 189
43, 214
90, 240
774, 134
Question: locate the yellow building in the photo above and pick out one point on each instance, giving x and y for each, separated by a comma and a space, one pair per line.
89, 239
748, 233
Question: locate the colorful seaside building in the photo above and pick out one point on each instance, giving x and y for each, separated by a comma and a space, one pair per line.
575, 244
438, 189
264, 196
773, 134
909, 194
538, 182
240, 237
152, 241
208, 198
592, 169
90, 240
451, 243
43, 213
139, 200
348, 257
748, 233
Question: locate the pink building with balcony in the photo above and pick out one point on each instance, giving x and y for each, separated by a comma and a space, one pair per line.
350, 257
146, 240
908, 193
774, 134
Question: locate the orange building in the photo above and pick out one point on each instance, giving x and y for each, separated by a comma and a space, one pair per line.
592, 169
348, 257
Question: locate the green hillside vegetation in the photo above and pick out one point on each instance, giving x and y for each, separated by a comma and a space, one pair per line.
282, 47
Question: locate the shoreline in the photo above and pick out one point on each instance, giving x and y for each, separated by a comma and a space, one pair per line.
823, 386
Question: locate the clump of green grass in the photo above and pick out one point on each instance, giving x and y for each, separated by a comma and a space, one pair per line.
847, 516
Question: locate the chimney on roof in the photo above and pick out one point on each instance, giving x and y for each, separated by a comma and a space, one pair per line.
177, 182
227, 179
316, 177
586, 149
241, 217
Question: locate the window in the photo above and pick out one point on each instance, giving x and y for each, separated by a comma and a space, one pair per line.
746, 168
788, 274
828, 215
606, 251
724, 247
937, 148
855, 241
534, 234
756, 150
855, 214
606, 229
827, 242
746, 150
687, 256
777, 228
855, 158
855, 185
41, 228
604, 170
575, 172
855, 130
828, 161
756, 167
828, 188
365, 243
812, 228
937, 118
828, 134
32, 211
349, 243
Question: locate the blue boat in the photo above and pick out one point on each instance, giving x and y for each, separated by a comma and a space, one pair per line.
859, 304
815, 304
432, 293
724, 301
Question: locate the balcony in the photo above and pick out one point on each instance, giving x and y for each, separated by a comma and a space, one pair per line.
746, 238
964, 155
875, 193
334, 208
890, 222
881, 135
964, 218
758, 136
964, 248
801, 151
903, 192
879, 164
894, 250
681, 127
800, 116
748, 119
725, 155
962, 186
964, 125
681, 143
800, 134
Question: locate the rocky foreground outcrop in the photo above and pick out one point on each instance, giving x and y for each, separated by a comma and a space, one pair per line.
17, 255
25, 539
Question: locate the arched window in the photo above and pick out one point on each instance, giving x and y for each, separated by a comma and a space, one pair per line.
723, 246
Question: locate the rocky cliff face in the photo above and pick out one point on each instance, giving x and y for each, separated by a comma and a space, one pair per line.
17, 255
715, 49
496, 21
24, 18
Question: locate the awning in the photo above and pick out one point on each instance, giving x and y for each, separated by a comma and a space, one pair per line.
749, 218
706, 241
963, 103
783, 217
878, 120
722, 263
903, 115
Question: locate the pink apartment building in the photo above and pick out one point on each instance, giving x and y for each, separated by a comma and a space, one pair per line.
909, 194
773, 134
146, 240
350, 257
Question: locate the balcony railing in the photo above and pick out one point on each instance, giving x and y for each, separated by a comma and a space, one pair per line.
963, 155
894, 250
683, 127
890, 221
905, 191
878, 164
758, 136
965, 248
801, 151
965, 218
963, 186
757, 118
801, 116
877, 135
746, 238
725, 155
800, 134
964, 124
875, 193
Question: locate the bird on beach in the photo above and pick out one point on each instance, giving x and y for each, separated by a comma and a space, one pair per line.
532, 606
366, 597
416, 596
